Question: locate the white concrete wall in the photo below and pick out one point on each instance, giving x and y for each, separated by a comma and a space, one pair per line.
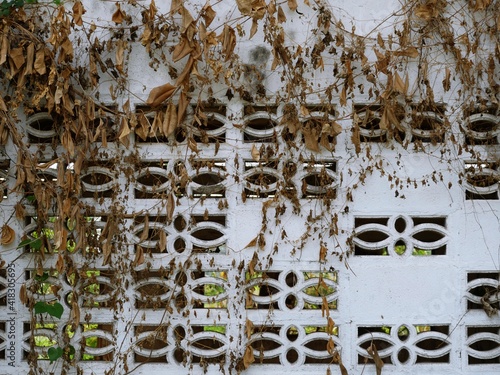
379, 294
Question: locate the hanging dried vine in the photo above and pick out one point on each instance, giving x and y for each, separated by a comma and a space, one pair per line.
80, 72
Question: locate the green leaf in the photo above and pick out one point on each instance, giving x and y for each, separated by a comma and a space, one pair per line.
23, 243
42, 278
71, 350
36, 244
56, 309
40, 307
55, 353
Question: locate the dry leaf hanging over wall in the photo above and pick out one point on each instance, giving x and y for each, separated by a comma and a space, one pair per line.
8, 235
372, 350
255, 153
78, 11
408, 52
292, 4
281, 15
159, 94
118, 16
208, 15
248, 358
245, 7
170, 120
228, 38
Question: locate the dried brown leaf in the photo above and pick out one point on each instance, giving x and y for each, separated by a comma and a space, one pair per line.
336, 129
30, 58
423, 12
380, 41
330, 346
60, 233
228, 38
183, 78
182, 107
67, 142
252, 243
325, 309
4, 131
120, 50
447, 79
170, 207
4, 50
372, 351
182, 49
311, 136
271, 8
255, 153
139, 256
399, 85
248, 358
60, 263
390, 117
159, 94
343, 370
304, 111
40, 66
193, 145
124, 131
162, 242
248, 328
17, 57
78, 11
175, 6
292, 4
3, 107
19, 210
106, 253
408, 52
482, 4
208, 14
143, 126
384, 121
187, 19
245, 7
23, 294
253, 263
119, 15
8, 235
170, 120
156, 128
254, 28
343, 96
382, 61
281, 15
75, 314
145, 230
323, 251
486, 303
331, 326
356, 139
